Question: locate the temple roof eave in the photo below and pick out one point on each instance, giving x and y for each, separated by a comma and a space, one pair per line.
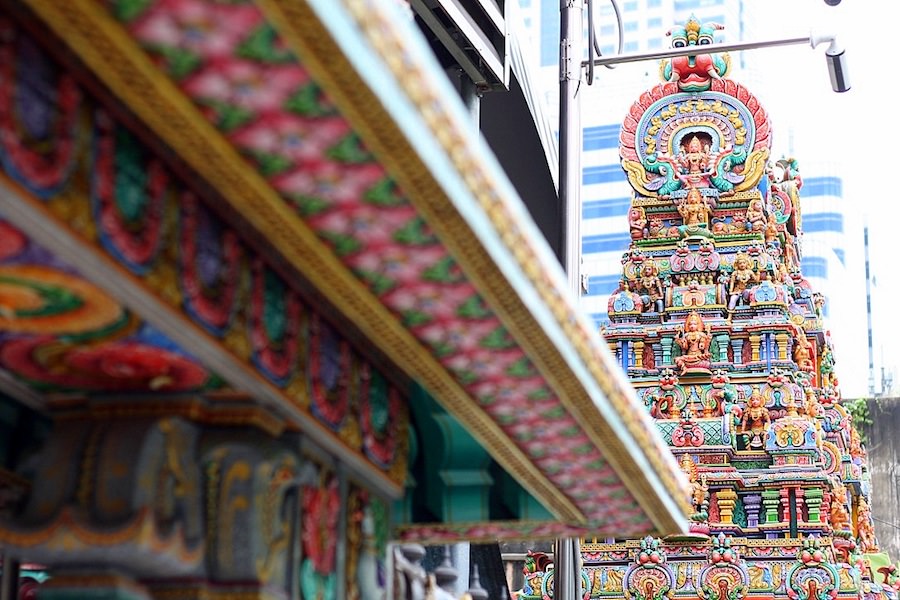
419, 133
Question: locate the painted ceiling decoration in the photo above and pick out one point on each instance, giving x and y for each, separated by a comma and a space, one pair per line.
297, 150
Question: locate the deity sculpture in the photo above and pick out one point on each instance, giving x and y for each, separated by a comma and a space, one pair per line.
740, 281
803, 350
699, 488
756, 216
637, 222
771, 229
694, 163
649, 287
839, 516
694, 210
865, 532
755, 420
694, 340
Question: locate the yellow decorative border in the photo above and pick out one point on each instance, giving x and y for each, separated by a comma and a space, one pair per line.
104, 47
306, 35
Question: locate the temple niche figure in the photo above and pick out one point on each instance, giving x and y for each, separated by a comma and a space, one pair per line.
803, 351
694, 340
865, 531
755, 420
756, 216
741, 280
694, 210
694, 163
649, 287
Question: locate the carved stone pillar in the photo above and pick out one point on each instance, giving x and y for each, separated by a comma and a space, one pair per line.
752, 504
726, 498
770, 505
814, 505
666, 343
782, 341
754, 347
737, 348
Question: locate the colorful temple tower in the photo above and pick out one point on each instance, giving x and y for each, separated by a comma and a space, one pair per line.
724, 341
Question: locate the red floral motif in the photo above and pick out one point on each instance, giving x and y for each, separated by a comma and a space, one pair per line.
334, 183
375, 228
12, 241
302, 141
122, 366
436, 301
246, 85
208, 29
321, 507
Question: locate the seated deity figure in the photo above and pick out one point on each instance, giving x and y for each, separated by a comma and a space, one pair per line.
756, 216
694, 340
741, 280
649, 287
694, 163
694, 210
755, 420
838, 514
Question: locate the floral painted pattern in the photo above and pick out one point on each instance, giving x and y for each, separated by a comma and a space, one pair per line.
289, 131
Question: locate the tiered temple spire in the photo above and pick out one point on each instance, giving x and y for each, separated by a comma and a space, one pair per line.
724, 341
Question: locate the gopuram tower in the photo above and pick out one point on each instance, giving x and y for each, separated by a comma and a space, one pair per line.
724, 341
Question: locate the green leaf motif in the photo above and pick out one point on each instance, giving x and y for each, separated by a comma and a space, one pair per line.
309, 101
415, 233
473, 308
269, 164
262, 45
583, 449
465, 376
442, 349
228, 116
130, 177
554, 413
443, 271
415, 318
521, 368
498, 339
181, 63
539, 394
384, 193
343, 245
129, 10
274, 307
350, 150
308, 206
377, 282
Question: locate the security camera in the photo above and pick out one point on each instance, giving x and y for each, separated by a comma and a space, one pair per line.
837, 68
832, 2
837, 61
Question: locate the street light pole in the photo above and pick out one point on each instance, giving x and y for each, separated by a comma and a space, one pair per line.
567, 553
570, 70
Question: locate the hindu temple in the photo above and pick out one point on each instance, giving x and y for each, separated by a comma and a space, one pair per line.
725, 343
